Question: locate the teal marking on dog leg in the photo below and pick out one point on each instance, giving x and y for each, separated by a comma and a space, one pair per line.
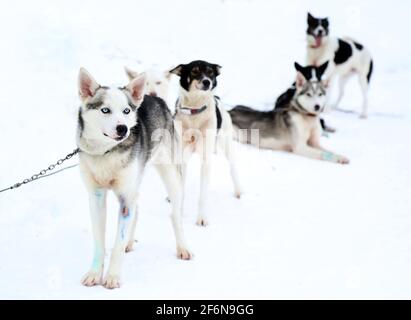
97, 260
99, 194
122, 233
328, 156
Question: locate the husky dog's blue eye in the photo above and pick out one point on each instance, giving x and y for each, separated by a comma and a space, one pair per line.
320, 94
105, 110
126, 111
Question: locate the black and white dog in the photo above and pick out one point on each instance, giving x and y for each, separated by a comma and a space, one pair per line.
206, 126
294, 125
346, 57
120, 130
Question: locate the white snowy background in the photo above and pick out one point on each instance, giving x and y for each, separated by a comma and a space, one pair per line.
303, 229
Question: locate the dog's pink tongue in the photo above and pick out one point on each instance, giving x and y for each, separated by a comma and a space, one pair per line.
318, 41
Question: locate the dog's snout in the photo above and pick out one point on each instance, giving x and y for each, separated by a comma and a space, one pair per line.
206, 83
153, 94
317, 107
121, 130
320, 32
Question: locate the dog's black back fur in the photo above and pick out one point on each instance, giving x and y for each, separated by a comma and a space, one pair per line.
343, 53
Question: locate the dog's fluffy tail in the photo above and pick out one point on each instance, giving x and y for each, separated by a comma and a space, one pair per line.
243, 117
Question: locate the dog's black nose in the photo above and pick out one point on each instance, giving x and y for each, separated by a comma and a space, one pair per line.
317, 107
121, 130
320, 33
206, 83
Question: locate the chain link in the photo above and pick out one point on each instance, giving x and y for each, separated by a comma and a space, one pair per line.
43, 172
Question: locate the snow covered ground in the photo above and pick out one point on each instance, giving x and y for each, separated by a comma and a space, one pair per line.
304, 228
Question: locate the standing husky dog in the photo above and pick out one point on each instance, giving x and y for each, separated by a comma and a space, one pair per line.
115, 136
205, 123
347, 57
295, 126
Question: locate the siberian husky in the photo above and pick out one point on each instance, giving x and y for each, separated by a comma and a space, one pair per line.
205, 124
346, 57
311, 73
295, 127
119, 132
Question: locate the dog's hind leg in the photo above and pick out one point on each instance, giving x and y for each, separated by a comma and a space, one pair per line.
97, 200
230, 154
364, 89
172, 179
342, 82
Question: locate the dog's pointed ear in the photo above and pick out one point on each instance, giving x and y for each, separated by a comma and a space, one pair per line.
217, 69
177, 70
310, 17
136, 89
167, 74
298, 67
300, 80
321, 69
87, 86
131, 74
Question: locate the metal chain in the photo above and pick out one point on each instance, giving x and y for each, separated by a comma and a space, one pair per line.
43, 172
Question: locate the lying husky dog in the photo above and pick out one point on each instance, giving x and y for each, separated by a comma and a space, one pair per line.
294, 127
205, 124
115, 137
311, 73
157, 82
347, 57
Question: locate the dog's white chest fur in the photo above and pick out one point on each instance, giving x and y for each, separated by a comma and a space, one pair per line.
108, 170
195, 128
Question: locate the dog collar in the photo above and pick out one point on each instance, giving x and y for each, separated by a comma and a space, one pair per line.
299, 108
190, 111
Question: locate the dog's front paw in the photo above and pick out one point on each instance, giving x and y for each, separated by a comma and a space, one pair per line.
184, 254
202, 221
343, 160
238, 194
91, 278
111, 281
130, 245
363, 116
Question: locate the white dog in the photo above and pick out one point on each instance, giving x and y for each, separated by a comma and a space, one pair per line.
157, 82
